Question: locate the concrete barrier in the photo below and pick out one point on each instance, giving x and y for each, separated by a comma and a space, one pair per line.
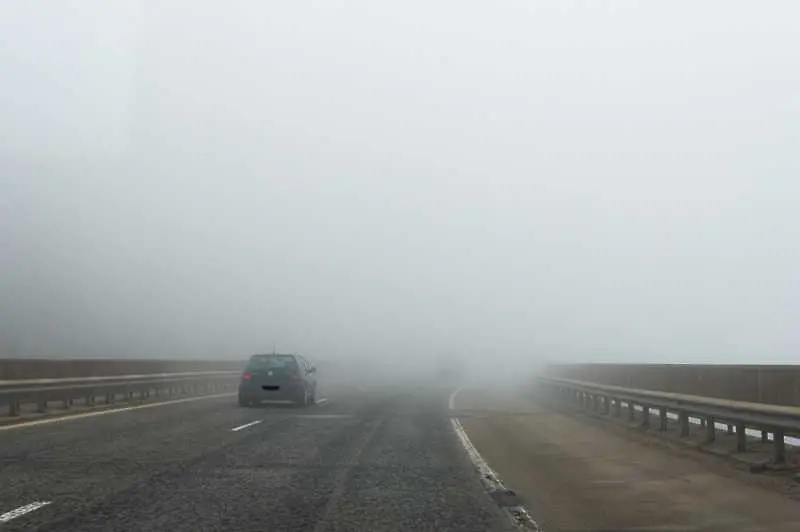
45, 368
42, 368
776, 385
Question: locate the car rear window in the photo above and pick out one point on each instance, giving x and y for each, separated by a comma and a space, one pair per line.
263, 363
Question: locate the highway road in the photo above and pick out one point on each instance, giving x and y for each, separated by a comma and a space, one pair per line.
383, 459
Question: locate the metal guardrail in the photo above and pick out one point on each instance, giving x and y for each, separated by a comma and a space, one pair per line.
42, 392
780, 421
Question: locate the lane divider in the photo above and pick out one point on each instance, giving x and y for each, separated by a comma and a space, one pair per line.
22, 510
85, 415
506, 499
236, 429
321, 401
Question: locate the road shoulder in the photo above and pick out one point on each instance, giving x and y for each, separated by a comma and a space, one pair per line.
573, 475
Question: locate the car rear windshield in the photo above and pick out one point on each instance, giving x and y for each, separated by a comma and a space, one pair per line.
263, 363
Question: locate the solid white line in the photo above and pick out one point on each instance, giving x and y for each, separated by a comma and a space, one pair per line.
323, 400
518, 515
111, 411
22, 510
452, 402
247, 425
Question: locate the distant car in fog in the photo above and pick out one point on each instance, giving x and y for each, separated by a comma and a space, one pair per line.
278, 377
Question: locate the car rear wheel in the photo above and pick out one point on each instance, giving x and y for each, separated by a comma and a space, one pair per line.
244, 401
302, 398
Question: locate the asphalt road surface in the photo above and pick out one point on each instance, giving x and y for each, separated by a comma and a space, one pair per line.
375, 460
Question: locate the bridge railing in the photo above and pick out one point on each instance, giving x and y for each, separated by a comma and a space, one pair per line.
16, 395
778, 421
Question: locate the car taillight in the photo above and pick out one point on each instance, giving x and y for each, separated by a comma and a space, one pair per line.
247, 376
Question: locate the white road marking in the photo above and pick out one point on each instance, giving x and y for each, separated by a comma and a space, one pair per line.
22, 510
452, 402
111, 411
321, 401
491, 482
247, 425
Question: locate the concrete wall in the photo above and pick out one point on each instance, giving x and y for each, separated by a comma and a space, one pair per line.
42, 368
778, 385
63, 368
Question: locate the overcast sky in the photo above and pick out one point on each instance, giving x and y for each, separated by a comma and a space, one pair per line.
590, 180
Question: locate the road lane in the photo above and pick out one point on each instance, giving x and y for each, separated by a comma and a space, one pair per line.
78, 458
369, 460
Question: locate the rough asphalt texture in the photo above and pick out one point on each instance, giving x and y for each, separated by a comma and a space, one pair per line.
366, 460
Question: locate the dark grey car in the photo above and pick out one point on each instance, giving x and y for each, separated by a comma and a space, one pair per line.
278, 377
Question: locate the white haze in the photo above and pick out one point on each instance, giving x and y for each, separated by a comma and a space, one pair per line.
555, 180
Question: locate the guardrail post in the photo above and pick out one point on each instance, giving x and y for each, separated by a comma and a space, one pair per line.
779, 447
631, 411
741, 437
67, 403
606, 405
764, 436
89, 399
683, 418
662, 414
41, 405
730, 428
711, 429
110, 398
617, 407
645, 416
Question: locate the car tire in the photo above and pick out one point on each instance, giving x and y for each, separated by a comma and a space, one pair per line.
244, 401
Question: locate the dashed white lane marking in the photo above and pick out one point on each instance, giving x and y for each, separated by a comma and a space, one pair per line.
111, 411
321, 401
246, 425
22, 510
506, 498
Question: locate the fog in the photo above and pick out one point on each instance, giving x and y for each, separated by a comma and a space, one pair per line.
546, 180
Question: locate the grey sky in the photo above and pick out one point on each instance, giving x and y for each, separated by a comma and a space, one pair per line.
576, 180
